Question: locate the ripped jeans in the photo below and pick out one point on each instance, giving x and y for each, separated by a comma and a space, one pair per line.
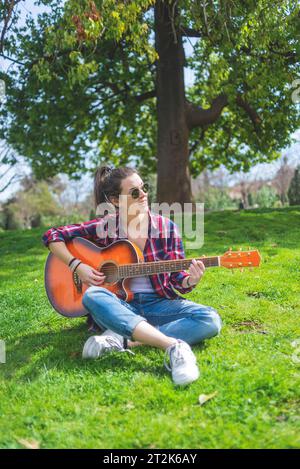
178, 318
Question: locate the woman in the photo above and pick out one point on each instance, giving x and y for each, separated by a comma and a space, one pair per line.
157, 315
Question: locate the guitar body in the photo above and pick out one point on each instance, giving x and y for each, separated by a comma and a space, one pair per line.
65, 290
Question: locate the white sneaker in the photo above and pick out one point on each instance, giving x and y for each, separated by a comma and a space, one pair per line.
98, 345
182, 363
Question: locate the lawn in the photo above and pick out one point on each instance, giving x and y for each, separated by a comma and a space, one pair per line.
50, 398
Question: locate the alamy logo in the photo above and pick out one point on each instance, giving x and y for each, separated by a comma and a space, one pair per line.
189, 221
296, 92
296, 355
2, 90
2, 352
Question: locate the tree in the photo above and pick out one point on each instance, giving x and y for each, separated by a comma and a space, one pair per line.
8, 16
217, 199
104, 80
9, 166
29, 204
265, 197
294, 189
283, 178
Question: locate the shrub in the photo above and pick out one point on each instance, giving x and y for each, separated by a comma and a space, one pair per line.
265, 197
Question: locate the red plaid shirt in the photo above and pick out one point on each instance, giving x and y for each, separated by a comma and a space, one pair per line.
165, 244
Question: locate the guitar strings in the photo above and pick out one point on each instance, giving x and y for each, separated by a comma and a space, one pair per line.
144, 266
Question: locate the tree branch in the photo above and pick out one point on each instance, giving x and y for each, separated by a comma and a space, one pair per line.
146, 95
290, 57
285, 54
190, 32
11, 60
199, 117
5, 172
13, 178
256, 120
10, 5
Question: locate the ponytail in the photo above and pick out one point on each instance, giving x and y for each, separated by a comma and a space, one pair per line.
100, 175
107, 182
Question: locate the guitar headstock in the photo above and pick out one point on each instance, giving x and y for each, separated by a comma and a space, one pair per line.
240, 259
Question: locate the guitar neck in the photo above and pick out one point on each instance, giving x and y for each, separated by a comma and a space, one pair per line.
159, 267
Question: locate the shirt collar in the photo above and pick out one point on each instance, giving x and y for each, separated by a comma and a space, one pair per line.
152, 227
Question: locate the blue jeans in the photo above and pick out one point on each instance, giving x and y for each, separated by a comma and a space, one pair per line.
178, 318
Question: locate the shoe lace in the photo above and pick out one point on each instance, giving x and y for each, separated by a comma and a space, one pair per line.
177, 354
114, 342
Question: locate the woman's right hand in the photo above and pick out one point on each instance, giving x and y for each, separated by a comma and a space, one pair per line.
90, 276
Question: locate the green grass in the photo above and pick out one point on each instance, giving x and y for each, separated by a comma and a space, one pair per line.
48, 394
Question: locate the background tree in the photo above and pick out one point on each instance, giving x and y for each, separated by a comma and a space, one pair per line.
10, 167
104, 80
294, 189
9, 14
27, 207
265, 197
283, 178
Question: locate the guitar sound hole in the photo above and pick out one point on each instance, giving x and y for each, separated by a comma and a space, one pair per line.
110, 270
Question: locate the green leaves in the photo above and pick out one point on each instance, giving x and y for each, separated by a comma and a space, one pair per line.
258, 60
76, 99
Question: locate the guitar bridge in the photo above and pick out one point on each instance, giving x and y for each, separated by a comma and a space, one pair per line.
77, 282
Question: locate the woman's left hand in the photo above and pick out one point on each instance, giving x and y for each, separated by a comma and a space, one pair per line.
196, 270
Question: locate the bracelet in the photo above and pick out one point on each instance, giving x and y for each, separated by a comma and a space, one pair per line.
77, 266
72, 260
74, 265
188, 282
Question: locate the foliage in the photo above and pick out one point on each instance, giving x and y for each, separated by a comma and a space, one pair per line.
76, 96
265, 197
244, 53
48, 394
294, 189
28, 206
216, 199
8, 162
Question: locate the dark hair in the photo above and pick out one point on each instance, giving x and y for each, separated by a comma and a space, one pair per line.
107, 182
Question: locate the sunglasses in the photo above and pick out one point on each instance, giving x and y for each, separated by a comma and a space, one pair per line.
135, 193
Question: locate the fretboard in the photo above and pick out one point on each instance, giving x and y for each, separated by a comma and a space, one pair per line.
159, 267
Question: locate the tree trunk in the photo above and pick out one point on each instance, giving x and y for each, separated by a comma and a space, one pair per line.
173, 179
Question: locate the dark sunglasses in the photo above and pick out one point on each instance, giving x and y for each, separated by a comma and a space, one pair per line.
135, 193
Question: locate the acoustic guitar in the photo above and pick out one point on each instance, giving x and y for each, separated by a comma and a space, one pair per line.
119, 262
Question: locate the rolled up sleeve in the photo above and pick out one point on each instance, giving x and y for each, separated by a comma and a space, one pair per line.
87, 230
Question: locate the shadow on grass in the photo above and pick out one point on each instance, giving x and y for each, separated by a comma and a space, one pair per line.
29, 357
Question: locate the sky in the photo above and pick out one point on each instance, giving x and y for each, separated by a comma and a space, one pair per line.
28, 7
